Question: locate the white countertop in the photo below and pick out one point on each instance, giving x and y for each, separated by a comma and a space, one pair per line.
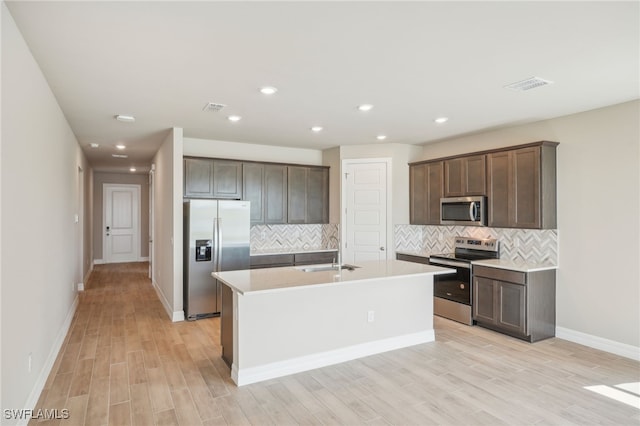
268, 252
515, 265
293, 277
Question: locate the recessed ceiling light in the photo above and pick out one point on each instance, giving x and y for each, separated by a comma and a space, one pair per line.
316, 129
119, 156
365, 107
94, 145
126, 118
234, 118
268, 90
381, 137
133, 169
120, 146
441, 120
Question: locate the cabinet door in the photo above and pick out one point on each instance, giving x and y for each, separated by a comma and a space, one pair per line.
512, 310
297, 194
198, 178
308, 194
418, 192
475, 175
465, 176
484, 298
526, 188
275, 193
435, 187
453, 178
317, 195
425, 191
499, 189
227, 179
253, 190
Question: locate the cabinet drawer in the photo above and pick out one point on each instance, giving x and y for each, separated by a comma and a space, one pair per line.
500, 274
271, 261
311, 258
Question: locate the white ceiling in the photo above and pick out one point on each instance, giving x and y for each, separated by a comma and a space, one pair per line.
414, 61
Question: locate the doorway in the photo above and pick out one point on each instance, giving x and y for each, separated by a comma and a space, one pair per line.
121, 223
366, 216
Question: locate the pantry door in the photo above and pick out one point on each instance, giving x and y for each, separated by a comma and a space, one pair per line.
366, 215
121, 226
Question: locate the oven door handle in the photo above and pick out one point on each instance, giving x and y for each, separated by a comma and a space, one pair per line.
437, 262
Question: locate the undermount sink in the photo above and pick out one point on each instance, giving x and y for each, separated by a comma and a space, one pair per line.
319, 268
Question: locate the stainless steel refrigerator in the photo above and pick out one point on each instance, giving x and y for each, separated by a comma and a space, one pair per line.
216, 238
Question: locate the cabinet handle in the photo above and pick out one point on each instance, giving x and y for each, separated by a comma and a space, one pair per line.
381, 248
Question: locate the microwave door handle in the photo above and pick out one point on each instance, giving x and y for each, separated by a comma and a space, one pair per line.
472, 211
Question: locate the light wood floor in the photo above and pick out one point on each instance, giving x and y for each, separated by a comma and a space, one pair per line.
124, 362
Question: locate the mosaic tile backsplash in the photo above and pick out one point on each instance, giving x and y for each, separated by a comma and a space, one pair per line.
294, 237
528, 245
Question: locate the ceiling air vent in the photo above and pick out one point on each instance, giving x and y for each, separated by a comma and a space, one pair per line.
528, 84
213, 107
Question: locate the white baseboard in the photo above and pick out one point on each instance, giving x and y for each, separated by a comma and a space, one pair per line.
310, 362
88, 274
611, 346
176, 316
98, 261
32, 400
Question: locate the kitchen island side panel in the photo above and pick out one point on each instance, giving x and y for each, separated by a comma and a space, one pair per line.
275, 327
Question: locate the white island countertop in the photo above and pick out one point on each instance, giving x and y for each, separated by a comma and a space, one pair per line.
251, 281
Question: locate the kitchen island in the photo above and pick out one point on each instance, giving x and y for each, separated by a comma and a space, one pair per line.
281, 321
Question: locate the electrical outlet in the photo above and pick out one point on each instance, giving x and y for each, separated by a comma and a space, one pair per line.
263, 235
371, 316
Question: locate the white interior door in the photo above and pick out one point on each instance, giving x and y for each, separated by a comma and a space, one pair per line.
366, 201
121, 237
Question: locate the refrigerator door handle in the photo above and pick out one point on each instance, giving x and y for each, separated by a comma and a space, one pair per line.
219, 244
215, 245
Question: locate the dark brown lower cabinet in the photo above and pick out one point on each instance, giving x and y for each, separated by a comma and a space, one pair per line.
293, 259
516, 303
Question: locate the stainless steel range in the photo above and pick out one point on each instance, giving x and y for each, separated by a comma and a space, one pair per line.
452, 292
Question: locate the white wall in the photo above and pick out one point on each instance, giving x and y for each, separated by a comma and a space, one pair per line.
251, 152
40, 258
167, 190
598, 287
331, 158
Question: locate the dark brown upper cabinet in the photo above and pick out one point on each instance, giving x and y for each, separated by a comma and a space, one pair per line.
522, 187
519, 182
265, 186
425, 190
208, 178
465, 176
307, 194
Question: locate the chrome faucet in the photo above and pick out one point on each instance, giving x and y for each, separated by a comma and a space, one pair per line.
338, 263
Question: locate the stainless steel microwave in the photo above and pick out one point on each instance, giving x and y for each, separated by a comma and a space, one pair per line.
463, 211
